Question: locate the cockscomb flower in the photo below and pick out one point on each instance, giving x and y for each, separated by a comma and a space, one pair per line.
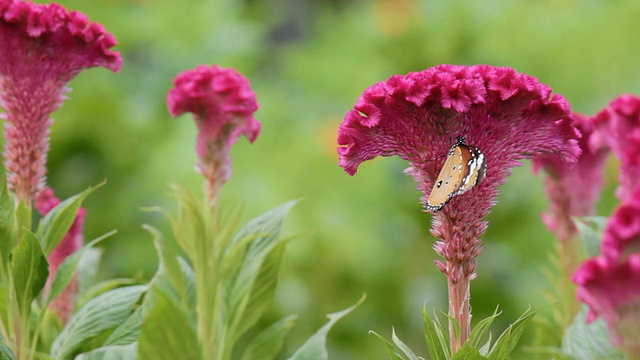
612, 291
42, 48
622, 234
508, 116
64, 304
573, 190
618, 127
223, 104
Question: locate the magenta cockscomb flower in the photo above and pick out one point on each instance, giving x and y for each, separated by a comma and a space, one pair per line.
223, 104
42, 47
612, 291
622, 234
64, 304
573, 190
618, 127
506, 115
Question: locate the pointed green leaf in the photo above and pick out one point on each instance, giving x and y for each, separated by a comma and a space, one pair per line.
168, 256
588, 341
5, 351
67, 270
480, 330
468, 352
111, 352
167, 333
435, 347
267, 344
29, 268
315, 347
391, 350
128, 331
189, 226
591, 229
7, 237
249, 293
262, 292
55, 225
88, 270
510, 337
102, 313
402, 346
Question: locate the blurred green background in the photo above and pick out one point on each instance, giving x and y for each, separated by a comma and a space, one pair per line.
308, 61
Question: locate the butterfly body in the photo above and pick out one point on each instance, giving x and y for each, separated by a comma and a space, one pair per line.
464, 168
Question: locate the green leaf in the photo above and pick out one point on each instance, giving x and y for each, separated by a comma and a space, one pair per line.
55, 225
391, 350
189, 226
267, 344
102, 313
510, 337
315, 347
128, 332
588, 341
250, 292
67, 269
29, 268
5, 351
6, 221
468, 352
434, 337
167, 333
480, 330
402, 346
169, 264
262, 291
88, 270
111, 352
591, 230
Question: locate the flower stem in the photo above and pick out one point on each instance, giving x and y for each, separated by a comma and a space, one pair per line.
459, 309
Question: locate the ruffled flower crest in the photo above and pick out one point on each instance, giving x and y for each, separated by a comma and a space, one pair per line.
508, 116
223, 105
618, 127
42, 47
64, 304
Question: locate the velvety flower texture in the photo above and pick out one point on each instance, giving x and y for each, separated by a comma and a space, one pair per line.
618, 127
223, 105
610, 283
63, 305
508, 116
612, 290
573, 190
42, 47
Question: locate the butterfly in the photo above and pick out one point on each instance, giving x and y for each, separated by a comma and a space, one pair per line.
464, 168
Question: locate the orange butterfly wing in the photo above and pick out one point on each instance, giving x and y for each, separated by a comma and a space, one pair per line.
464, 168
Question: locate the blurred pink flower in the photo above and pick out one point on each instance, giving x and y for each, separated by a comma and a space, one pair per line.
42, 47
622, 234
64, 304
223, 104
612, 291
618, 127
573, 190
508, 116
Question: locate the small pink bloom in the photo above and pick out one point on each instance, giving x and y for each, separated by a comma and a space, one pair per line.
618, 128
42, 48
64, 304
223, 105
612, 291
573, 190
508, 116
